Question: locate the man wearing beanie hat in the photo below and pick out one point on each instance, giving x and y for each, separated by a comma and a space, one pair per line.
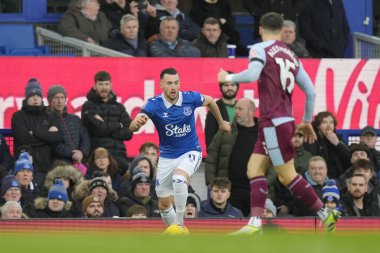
98, 187
92, 207
140, 194
55, 205
270, 210
75, 144
10, 189
226, 107
34, 127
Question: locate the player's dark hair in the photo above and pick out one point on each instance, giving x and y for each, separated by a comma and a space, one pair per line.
272, 21
168, 71
102, 76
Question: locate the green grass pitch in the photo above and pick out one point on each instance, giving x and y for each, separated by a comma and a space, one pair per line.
278, 242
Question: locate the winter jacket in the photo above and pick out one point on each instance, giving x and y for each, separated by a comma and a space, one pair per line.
209, 210
188, 29
75, 24
160, 48
112, 131
219, 49
74, 136
6, 159
117, 42
41, 210
324, 28
149, 203
30, 127
370, 208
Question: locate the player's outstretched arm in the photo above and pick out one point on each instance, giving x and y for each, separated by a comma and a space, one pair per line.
138, 122
210, 103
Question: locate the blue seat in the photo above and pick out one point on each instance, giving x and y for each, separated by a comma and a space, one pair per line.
17, 39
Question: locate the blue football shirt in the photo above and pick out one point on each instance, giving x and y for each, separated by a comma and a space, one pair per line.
175, 123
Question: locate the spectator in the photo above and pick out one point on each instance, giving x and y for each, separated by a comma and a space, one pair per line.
11, 210
56, 205
34, 127
188, 29
211, 41
6, 159
289, 38
289, 9
70, 176
92, 207
221, 10
226, 107
84, 21
24, 173
128, 39
302, 157
99, 188
218, 205
137, 212
329, 145
150, 150
228, 154
74, 147
323, 25
10, 189
356, 201
331, 195
140, 194
116, 9
270, 210
192, 206
107, 120
101, 160
368, 136
168, 44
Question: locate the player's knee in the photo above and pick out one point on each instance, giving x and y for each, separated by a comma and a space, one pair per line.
179, 183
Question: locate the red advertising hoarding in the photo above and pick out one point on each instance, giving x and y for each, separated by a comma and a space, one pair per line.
348, 88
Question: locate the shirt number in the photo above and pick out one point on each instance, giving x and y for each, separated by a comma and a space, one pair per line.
287, 77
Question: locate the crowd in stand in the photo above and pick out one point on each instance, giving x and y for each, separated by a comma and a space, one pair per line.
135, 27
64, 166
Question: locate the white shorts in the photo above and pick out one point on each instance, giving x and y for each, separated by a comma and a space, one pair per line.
188, 162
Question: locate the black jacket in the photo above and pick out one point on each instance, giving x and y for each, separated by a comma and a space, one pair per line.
113, 130
149, 203
6, 159
324, 28
219, 49
30, 127
117, 42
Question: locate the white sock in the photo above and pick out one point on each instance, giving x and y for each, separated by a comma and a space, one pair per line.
255, 221
180, 197
168, 215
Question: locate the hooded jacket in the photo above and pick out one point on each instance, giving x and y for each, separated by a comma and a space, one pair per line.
42, 210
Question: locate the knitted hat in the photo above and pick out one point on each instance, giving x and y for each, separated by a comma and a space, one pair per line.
140, 177
271, 207
54, 90
98, 182
88, 200
58, 191
8, 182
22, 164
330, 192
24, 155
33, 88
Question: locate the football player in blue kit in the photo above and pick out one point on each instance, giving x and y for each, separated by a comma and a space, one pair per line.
172, 113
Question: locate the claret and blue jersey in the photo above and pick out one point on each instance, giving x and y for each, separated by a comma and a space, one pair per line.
175, 123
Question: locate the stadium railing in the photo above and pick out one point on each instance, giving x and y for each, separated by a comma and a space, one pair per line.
62, 46
365, 46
